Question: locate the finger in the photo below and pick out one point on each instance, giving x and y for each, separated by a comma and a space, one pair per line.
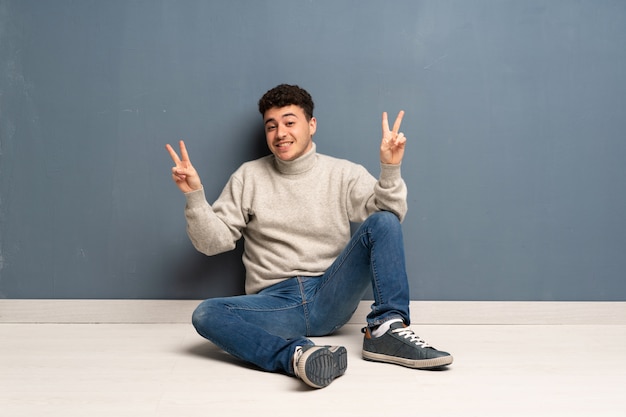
401, 139
183, 151
385, 123
180, 171
178, 176
173, 154
398, 122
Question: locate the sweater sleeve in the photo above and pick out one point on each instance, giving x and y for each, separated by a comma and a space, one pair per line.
215, 229
368, 196
391, 191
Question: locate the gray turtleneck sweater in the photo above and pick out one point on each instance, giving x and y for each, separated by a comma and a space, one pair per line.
294, 216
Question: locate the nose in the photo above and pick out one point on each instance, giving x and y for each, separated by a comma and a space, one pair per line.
281, 132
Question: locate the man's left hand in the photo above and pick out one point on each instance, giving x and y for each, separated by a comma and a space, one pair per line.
392, 144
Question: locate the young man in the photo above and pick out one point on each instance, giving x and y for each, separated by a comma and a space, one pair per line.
305, 273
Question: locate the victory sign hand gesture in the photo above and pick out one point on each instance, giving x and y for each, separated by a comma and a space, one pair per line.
392, 144
183, 173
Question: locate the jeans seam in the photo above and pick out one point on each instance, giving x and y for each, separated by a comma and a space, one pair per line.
304, 304
378, 296
233, 308
343, 259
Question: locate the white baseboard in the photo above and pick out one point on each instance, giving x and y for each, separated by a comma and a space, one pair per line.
422, 312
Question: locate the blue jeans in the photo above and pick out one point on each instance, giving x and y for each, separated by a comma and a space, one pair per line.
265, 328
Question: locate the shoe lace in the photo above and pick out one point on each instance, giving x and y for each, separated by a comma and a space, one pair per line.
407, 333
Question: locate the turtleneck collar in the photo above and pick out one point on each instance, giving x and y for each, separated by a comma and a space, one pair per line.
298, 165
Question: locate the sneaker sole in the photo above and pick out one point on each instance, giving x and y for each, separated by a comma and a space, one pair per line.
409, 363
320, 365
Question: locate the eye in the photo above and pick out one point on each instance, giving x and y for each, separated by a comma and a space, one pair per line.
269, 128
290, 123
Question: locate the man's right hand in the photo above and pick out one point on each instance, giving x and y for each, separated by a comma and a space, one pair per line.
183, 173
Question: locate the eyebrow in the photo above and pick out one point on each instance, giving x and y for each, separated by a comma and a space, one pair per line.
283, 116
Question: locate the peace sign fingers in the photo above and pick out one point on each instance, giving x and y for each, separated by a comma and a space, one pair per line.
183, 173
396, 125
393, 142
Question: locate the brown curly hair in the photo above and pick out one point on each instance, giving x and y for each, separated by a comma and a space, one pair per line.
286, 95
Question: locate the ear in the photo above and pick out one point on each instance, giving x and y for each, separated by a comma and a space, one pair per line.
312, 125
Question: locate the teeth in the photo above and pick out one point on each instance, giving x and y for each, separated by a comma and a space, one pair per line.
283, 144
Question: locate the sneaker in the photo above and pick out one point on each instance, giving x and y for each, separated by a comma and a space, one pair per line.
318, 366
401, 346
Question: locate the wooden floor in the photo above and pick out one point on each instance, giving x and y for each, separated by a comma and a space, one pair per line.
115, 370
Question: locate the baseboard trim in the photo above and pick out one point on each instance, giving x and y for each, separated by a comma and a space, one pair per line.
422, 312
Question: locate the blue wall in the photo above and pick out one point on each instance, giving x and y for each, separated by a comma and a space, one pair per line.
515, 114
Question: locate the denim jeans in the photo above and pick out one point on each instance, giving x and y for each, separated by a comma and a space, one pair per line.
265, 328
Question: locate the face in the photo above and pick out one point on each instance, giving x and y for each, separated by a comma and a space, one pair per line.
288, 133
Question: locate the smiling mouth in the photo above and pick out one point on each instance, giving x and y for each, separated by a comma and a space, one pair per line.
283, 144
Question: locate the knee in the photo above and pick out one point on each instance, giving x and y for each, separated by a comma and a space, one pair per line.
384, 219
204, 315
